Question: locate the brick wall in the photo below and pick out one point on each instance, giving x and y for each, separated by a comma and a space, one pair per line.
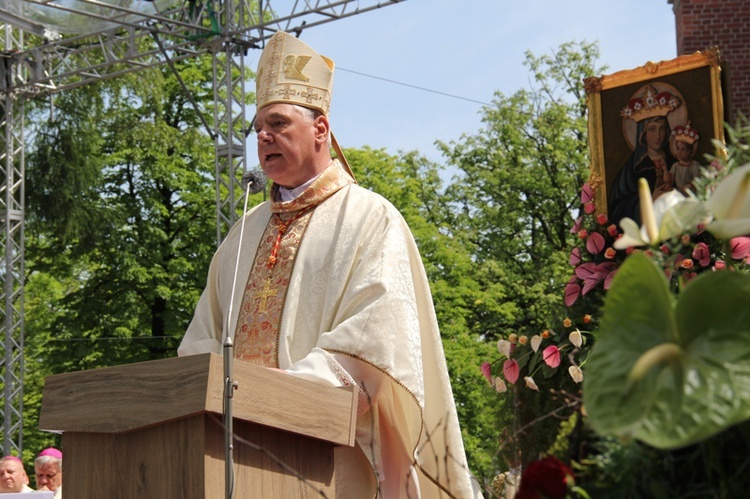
725, 24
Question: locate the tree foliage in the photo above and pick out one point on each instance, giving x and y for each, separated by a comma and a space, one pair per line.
517, 188
120, 226
513, 203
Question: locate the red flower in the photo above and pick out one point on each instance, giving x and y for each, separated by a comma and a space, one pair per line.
612, 230
587, 193
576, 226
572, 293
702, 254
546, 478
487, 371
740, 247
575, 257
601, 219
595, 243
551, 356
608, 279
510, 371
589, 208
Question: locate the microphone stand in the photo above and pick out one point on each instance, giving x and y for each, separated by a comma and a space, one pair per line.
230, 384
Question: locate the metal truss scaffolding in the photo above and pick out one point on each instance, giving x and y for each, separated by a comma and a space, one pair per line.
226, 29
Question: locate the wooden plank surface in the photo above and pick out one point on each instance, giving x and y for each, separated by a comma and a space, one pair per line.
135, 396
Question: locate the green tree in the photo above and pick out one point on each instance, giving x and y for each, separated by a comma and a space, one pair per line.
130, 229
120, 226
514, 200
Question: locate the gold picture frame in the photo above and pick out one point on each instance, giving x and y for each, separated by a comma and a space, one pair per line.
682, 95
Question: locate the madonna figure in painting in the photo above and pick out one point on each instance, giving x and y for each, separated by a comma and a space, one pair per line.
651, 158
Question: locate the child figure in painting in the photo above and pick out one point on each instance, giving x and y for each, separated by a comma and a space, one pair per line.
684, 146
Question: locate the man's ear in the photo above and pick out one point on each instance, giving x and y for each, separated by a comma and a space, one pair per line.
322, 129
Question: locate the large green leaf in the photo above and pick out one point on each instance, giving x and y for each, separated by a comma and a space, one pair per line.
693, 378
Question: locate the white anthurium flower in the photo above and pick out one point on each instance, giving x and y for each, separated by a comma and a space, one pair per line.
576, 338
671, 215
530, 383
536, 340
729, 205
504, 347
500, 385
576, 373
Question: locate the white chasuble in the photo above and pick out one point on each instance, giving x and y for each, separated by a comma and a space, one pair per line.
352, 305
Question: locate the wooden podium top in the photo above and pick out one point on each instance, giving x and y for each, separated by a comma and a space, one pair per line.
133, 396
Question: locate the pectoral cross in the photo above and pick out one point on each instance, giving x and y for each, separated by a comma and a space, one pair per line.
264, 294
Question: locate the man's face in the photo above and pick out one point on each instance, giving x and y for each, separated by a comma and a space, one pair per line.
288, 140
12, 476
48, 475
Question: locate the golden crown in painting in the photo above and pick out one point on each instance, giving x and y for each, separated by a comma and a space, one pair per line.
291, 72
651, 103
685, 133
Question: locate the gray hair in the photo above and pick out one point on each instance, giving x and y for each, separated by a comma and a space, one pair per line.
312, 114
42, 460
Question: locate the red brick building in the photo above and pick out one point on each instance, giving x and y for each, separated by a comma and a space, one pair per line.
724, 24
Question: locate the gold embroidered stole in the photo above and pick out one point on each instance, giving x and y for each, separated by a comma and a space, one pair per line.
261, 311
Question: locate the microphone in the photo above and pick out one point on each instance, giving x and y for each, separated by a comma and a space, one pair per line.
253, 181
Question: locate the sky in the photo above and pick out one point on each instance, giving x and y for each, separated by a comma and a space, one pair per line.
449, 57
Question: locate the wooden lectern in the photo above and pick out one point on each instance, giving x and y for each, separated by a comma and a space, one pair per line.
154, 430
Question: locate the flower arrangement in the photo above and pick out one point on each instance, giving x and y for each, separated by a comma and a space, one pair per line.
674, 307
670, 364
595, 262
684, 244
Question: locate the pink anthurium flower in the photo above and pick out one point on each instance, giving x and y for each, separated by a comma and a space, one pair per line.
702, 254
608, 279
595, 243
572, 293
587, 193
575, 257
551, 356
511, 371
740, 247
576, 225
487, 371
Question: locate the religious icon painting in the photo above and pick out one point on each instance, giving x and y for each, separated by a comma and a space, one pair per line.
660, 122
